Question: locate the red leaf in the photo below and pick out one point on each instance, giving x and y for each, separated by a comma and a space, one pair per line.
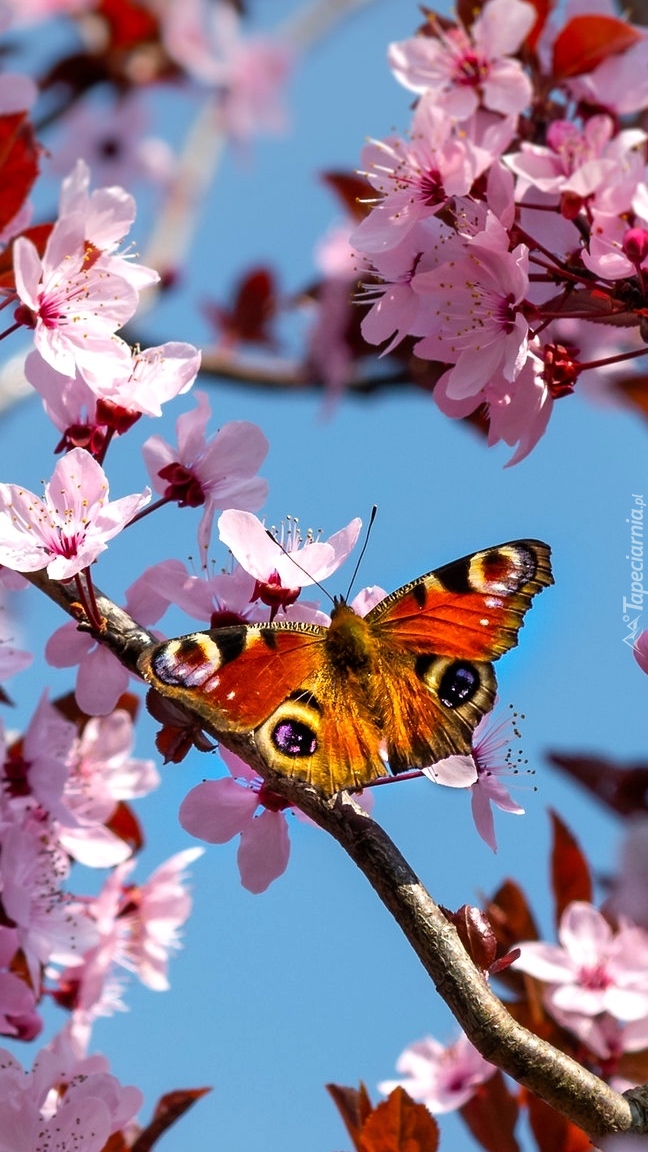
553, 1132
586, 41
621, 787
352, 191
476, 935
130, 24
570, 874
354, 1107
19, 154
124, 823
491, 1115
38, 235
510, 916
634, 390
168, 1109
399, 1125
253, 305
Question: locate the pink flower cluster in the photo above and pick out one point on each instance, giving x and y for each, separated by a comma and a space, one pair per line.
61, 788
595, 980
503, 219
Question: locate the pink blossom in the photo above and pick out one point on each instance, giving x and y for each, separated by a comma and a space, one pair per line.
52, 926
460, 71
101, 678
593, 969
81, 291
415, 178
155, 376
583, 161
12, 660
151, 921
248, 74
71, 526
606, 86
219, 473
18, 1012
102, 772
285, 565
112, 140
217, 599
608, 255
395, 305
217, 810
519, 410
473, 317
17, 93
489, 765
43, 1109
441, 1078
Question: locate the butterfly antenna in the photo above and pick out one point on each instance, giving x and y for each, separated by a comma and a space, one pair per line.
374, 512
301, 567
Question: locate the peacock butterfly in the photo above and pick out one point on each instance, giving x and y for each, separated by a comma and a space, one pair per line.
410, 680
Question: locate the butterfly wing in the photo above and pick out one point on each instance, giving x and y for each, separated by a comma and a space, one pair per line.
437, 639
413, 677
275, 681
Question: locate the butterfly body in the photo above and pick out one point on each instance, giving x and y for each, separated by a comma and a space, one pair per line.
406, 684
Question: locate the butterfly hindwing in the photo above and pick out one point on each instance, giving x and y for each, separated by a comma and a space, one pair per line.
410, 681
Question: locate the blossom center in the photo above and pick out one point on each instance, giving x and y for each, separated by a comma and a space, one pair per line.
595, 978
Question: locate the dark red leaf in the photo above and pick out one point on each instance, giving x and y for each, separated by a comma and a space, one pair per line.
491, 1115
124, 823
553, 1132
570, 874
168, 1109
19, 154
130, 24
38, 235
586, 41
352, 191
621, 787
253, 306
354, 1107
476, 935
634, 390
397, 1124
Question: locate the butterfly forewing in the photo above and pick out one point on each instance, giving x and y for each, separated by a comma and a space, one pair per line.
235, 677
471, 609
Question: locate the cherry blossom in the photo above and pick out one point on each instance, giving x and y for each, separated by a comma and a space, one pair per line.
461, 70
43, 1109
112, 140
219, 473
441, 1078
150, 922
12, 660
593, 969
475, 320
71, 526
102, 773
52, 925
217, 810
101, 678
489, 765
285, 565
247, 73
81, 290
155, 376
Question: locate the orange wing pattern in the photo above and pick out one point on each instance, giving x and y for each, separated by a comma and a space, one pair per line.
409, 682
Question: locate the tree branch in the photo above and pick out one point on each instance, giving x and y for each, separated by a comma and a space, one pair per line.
552, 1075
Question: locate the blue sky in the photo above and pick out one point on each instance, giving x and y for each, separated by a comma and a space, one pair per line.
274, 995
